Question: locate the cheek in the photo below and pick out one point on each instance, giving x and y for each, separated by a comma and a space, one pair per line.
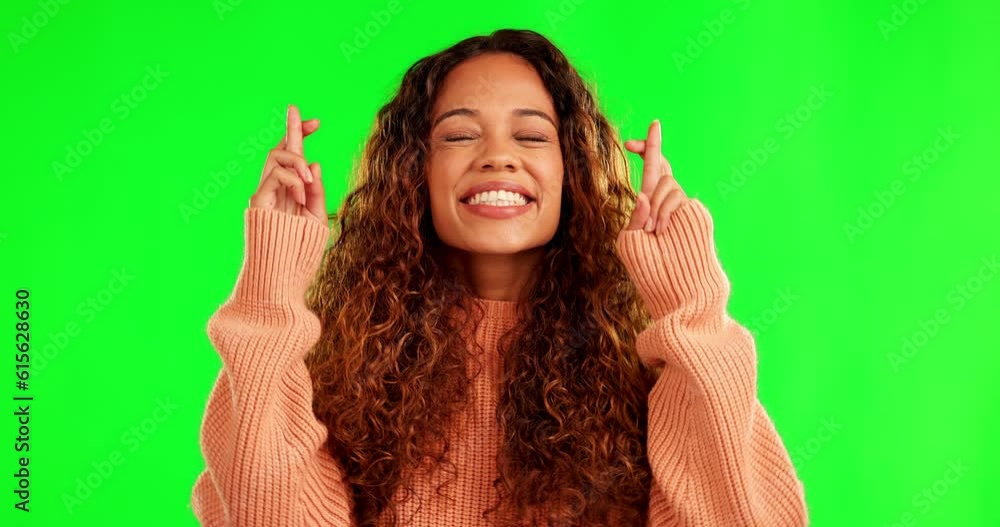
437, 180
548, 169
443, 172
555, 183
440, 194
440, 206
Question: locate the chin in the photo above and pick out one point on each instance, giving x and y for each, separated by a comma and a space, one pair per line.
499, 248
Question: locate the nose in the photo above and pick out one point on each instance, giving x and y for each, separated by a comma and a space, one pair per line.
497, 154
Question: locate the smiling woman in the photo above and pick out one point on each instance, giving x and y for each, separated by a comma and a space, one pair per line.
502, 333
494, 156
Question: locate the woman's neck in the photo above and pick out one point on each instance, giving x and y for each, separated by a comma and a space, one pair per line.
501, 277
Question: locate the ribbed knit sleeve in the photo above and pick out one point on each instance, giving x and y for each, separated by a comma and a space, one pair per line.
266, 464
716, 457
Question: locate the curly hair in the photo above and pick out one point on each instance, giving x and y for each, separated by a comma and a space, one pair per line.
389, 371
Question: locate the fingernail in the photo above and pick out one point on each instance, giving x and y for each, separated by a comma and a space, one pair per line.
649, 224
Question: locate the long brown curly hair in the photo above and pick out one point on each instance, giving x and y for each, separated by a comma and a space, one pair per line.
389, 371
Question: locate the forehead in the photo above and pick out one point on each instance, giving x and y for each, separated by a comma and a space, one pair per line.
495, 79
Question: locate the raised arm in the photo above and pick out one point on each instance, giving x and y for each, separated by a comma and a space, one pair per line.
716, 457
263, 448
714, 452
266, 462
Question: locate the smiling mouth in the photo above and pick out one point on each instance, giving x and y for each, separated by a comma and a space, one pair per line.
498, 210
498, 198
497, 193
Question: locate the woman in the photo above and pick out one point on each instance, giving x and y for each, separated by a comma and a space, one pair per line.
502, 333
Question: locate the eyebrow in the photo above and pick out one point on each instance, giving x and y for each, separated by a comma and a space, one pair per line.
520, 112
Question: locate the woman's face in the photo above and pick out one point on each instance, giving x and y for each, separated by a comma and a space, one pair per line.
495, 168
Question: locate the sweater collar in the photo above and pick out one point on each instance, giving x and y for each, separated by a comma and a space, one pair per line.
500, 311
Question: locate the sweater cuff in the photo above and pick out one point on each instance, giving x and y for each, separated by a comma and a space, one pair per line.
281, 257
677, 266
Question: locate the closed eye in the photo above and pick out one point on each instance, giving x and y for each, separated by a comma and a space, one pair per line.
455, 138
534, 138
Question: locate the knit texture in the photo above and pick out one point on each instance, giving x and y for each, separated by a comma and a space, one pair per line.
716, 457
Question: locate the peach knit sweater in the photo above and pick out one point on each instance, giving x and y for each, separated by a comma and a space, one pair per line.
714, 452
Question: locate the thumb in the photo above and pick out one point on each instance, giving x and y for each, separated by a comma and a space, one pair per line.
641, 212
315, 195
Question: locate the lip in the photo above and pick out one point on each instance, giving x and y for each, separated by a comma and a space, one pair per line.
487, 186
500, 213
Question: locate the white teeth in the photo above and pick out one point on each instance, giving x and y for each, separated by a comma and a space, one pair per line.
498, 198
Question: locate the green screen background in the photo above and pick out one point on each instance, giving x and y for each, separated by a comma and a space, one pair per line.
825, 110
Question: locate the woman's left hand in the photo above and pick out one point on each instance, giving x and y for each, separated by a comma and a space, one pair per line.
660, 194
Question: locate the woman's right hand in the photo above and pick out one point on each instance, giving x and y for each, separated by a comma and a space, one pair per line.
288, 182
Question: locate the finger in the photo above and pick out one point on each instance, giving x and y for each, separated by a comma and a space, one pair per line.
292, 183
269, 195
651, 159
637, 146
282, 180
294, 161
665, 166
293, 130
668, 172
640, 214
663, 188
660, 193
308, 127
671, 202
315, 195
